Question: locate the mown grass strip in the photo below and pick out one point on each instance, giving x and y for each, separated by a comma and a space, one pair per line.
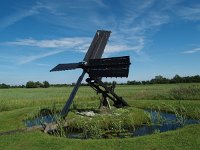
184, 138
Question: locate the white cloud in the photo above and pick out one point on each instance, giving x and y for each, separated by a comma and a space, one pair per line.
54, 43
19, 15
27, 59
73, 44
192, 51
42, 65
191, 13
116, 48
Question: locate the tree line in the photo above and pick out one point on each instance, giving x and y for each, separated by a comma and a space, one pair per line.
32, 84
156, 80
29, 84
162, 80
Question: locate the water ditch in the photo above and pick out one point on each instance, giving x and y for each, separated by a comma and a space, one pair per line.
160, 122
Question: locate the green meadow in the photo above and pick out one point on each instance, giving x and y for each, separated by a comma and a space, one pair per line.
18, 104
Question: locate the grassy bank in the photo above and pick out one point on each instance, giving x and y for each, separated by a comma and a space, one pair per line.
185, 138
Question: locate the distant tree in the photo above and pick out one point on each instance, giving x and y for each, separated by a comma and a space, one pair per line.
176, 79
114, 82
31, 84
195, 78
159, 80
60, 85
73, 84
4, 86
128, 82
186, 79
143, 82
46, 84
38, 84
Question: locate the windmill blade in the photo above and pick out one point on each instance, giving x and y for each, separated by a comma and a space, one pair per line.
65, 110
70, 66
111, 61
97, 46
109, 67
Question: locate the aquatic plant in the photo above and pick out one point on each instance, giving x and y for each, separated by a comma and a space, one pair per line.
180, 113
155, 117
92, 130
156, 131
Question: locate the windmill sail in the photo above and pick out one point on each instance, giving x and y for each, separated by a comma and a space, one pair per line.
109, 67
95, 51
97, 46
62, 67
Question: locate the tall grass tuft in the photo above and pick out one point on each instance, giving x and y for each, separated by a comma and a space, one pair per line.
185, 93
92, 130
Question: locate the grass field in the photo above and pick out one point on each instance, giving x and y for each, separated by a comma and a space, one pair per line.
18, 104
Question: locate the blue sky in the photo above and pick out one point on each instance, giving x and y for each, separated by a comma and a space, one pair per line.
162, 37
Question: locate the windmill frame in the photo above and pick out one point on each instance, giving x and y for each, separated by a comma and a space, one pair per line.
97, 68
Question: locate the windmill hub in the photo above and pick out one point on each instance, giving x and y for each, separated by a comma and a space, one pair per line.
97, 67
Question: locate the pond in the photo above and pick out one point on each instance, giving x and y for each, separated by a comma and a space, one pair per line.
39, 121
160, 122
